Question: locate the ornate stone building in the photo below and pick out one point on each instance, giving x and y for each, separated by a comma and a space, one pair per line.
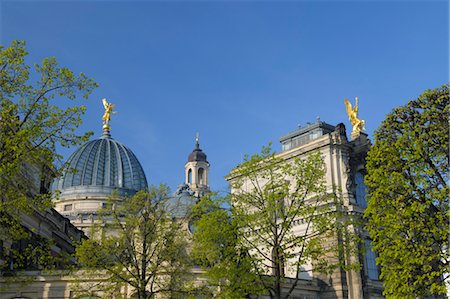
23, 279
344, 170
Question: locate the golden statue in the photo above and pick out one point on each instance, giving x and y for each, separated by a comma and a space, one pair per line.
358, 124
107, 115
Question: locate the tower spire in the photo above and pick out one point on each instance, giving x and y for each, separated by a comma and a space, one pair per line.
197, 144
197, 170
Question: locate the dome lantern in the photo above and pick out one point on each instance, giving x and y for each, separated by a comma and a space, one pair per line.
197, 170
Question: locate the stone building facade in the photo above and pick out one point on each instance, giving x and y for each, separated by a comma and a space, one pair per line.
344, 174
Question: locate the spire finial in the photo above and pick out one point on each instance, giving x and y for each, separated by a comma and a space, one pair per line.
197, 145
107, 115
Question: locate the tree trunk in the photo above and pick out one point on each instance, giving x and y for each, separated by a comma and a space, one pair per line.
142, 294
277, 272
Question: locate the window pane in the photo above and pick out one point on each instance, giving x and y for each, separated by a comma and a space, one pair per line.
371, 266
360, 190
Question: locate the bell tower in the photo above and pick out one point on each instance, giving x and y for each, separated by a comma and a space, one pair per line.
197, 170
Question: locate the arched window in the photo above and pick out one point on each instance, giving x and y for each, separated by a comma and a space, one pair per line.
190, 176
200, 176
360, 190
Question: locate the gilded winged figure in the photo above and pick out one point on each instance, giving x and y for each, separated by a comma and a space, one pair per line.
357, 124
108, 111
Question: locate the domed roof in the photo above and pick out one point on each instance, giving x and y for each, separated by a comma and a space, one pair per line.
101, 166
197, 154
180, 205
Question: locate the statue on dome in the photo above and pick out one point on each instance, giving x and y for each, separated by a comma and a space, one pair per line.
357, 124
107, 115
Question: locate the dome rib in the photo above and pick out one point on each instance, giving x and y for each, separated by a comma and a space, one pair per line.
73, 166
88, 166
84, 163
78, 165
130, 166
127, 182
106, 172
94, 172
113, 173
119, 166
136, 177
101, 164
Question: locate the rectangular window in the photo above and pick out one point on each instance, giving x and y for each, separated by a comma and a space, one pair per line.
361, 190
370, 256
286, 146
68, 207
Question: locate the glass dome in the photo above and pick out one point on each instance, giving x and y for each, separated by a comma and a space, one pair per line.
101, 166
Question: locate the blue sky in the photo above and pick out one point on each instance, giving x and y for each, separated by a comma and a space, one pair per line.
242, 73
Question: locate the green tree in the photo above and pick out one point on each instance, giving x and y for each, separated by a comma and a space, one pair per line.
32, 125
136, 242
408, 209
281, 220
216, 249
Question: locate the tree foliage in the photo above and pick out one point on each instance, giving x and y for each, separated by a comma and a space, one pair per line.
138, 243
32, 125
216, 249
408, 210
281, 220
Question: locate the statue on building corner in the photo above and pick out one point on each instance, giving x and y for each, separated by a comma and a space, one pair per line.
357, 124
